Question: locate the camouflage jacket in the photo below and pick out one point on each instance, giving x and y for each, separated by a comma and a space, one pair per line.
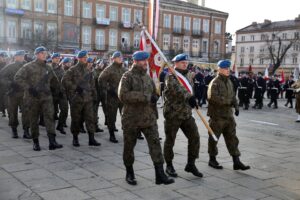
176, 99
221, 98
110, 78
59, 72
38, 75
79, 76
135, 91
7, 75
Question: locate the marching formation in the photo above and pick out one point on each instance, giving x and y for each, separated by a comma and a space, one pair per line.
47, 88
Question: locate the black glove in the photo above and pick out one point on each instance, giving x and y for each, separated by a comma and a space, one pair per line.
193, 102
79, 90
154, 98
33, 92
112, 93
237, 112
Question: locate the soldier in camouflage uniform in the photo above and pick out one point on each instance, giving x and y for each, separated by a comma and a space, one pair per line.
79, 84
137, 92
221, 98
37, 80
2, 87
296, 86
109, 80
178, 114
60, 99
15, 95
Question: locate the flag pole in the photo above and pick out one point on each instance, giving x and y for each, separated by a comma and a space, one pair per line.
210, 131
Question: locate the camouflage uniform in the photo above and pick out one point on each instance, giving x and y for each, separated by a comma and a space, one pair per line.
60, 99
39, 76
178, 114
221, 98
2, 92
100, 94
15, 95
109, 80
139, 114
297, 86
81, 105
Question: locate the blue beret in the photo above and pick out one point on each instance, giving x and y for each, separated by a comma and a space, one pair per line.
20, 53
224, 64
140, 55
66, 60
180, 57
82, 54
39, 50
116, 54
49, 60
55, 55
90, 60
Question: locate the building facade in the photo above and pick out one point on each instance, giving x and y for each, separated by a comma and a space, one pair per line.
253, 43
103, 26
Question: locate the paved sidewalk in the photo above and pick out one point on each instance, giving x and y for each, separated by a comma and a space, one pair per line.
269, 142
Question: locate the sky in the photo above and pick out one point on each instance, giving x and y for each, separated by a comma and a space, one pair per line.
243, 12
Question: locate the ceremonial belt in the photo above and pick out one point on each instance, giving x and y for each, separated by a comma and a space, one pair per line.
259, 87
243, 88
274, 88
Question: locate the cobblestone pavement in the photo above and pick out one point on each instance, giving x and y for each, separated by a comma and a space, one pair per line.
269, 142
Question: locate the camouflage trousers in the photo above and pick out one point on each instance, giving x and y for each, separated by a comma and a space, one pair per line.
61, 106
189, 129
14, 103
36, 107
227, 126
82, 112
113, 104
102, 99
152, 137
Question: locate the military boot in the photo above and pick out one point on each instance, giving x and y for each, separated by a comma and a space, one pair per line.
140, 137
14, 132
214, 163
36, 145
170, 170
161, 177
112, 137
60, 128
75, 140
98, 129
191, 168
26, 134
53, 144
130, 177
237, 164
92, 140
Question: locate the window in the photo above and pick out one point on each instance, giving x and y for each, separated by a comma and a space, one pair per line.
51, 31
176, 43
295, 60
100, 11
251, 61
296, 47
26, 4
242, 49
125, 40
196, 25
243, 38
126, 15
86, 35
100, 39
113, 39
166, 42
195, 47
52, 7
206, 25
69, 7
252, 37
177, 23
113, 14
11, 3
205, 46
242, 62
284, 36
38, 30
87, 10
186, 44
26, 29
138, 16
251, 49
296, 35
167, 20
262, 50
218, 27
216, 46
1, 26
263, 37
136, 42
261, 61
12, 30
39, 5
187, 23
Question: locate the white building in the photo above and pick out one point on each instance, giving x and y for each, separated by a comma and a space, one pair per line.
253, 42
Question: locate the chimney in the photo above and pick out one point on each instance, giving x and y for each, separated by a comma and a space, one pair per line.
195, 1
297, 19
254, 24
267, 21
203, 3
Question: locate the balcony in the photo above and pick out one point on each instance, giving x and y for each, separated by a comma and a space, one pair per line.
178, 31
103, 21
126, 25
197, 33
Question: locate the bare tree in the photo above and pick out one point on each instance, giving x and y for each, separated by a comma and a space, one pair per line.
277, 46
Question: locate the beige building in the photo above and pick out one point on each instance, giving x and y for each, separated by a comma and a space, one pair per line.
107, 25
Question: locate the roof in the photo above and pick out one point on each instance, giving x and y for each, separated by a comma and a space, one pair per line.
268, 25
